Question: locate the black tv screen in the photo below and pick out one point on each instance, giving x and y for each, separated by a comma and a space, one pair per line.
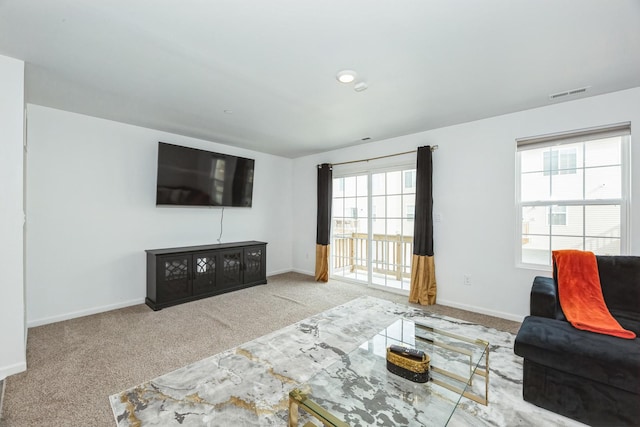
192, 177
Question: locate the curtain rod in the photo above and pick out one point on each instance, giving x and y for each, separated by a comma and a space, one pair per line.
433, 148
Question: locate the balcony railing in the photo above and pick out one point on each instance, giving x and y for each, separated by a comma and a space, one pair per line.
606, 242
391, 254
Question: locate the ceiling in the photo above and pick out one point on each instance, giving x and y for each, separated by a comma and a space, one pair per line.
177, 66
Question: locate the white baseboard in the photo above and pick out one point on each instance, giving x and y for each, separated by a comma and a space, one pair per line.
291, 270
481, 310
308, 273
82, 313
275, 273
16, 368
96, 310
500, 314
2, 386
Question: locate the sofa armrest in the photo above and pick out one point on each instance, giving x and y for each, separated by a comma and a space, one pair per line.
544, 299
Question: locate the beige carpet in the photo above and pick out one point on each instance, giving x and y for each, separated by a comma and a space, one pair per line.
74, 366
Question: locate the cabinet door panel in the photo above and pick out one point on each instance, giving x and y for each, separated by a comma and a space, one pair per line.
231, 274
254, 268
173, 278
204, 272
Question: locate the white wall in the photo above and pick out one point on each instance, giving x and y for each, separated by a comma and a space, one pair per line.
91, 212
91, 206
12, 320
474, 191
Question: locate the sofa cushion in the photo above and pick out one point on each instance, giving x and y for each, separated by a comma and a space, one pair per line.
620, 281
603, 358
590, 402
628, 319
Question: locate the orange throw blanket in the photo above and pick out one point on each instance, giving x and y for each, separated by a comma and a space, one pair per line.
581, 296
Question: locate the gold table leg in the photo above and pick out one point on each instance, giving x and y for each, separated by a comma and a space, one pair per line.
293, 413
299, 399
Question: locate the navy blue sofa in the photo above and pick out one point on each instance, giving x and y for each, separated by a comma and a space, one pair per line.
590, 377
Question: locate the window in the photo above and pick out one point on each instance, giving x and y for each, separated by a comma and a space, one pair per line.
411, 212
561, 161
409, 179
573, 192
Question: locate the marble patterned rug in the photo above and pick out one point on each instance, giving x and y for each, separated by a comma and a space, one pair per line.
249, 385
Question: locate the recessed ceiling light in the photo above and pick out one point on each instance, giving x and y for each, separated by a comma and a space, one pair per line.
346, 76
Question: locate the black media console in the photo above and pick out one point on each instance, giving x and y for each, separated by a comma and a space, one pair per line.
180, 275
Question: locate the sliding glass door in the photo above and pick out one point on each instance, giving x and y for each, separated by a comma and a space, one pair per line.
350, 228
393, 207
372, 226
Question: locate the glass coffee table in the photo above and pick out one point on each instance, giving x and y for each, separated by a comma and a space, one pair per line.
358, 390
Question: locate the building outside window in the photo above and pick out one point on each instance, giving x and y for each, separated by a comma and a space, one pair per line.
573, 193
556, 215
560, 162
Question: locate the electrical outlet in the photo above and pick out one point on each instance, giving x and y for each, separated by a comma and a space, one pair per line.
467, 279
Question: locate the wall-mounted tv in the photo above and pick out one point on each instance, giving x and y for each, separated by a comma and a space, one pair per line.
192, 177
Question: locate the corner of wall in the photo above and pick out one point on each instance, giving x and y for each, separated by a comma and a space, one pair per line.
12, 303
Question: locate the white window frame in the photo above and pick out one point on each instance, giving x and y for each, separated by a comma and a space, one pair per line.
620, 129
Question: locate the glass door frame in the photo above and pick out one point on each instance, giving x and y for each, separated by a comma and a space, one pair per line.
401, 168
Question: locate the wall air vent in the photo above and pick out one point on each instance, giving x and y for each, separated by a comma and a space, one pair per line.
569, 92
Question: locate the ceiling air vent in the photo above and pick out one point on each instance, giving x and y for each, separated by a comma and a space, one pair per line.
569, 92
558, 95
576, 91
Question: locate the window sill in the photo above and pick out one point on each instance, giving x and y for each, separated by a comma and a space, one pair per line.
539, 267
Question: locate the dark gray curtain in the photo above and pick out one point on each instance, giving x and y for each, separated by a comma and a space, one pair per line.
423, 279
423, 224
323, 230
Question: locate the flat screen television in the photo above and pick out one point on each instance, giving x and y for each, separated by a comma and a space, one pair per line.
192, 177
